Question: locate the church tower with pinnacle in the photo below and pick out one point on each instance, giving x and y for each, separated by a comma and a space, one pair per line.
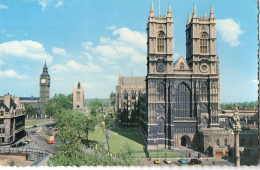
44, 88
182, 96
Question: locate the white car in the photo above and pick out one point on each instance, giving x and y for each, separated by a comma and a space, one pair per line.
167, 161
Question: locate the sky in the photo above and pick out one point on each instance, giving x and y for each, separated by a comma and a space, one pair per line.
92, 41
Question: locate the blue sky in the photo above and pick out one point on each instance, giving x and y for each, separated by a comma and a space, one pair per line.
91, 41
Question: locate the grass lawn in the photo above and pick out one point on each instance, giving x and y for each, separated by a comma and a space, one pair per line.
34, 122
122, 137
97, 135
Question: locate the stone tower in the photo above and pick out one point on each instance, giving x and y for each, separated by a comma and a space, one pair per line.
183, 96
78, 97
44, 88
202, 58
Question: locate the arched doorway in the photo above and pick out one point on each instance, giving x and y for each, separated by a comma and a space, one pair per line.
185, 141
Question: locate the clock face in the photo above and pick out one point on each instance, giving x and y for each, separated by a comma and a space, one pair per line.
204, 67
43, 81
160, 67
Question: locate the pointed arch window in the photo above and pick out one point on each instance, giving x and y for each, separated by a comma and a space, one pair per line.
204, 92
161, 92
125, 95
183, 101
161, 125
161, 42
181, 66
133, 94
204, 43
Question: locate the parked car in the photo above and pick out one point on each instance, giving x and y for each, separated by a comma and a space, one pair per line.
167, 161
18, 144
33, 132
182, 161
27, 141
157, 161
195, 162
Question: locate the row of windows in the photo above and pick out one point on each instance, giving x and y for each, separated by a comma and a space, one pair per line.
133, 96
225, 142
2, 130
204, 42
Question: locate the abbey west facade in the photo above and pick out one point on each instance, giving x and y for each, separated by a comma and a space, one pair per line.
182, 97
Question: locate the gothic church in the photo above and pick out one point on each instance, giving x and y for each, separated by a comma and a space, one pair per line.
182, 100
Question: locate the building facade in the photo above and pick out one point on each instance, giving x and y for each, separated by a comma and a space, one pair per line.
78, 97
183, 96
128, 92
12, 120
44, 88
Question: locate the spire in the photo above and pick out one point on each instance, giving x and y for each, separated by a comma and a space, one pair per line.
169, 10
188, 20
212, 12
205, 15
194, 11
151, 11
45, 66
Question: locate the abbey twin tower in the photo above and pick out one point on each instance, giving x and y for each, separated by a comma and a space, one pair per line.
182, 102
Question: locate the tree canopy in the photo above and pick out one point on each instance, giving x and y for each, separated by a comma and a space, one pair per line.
57, 103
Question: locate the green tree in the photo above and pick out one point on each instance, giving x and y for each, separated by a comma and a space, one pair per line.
29, 110
58, 103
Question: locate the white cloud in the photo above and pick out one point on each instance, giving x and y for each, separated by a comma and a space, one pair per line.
3, 6
125, 44
44, 3
58, 68
112, 27
229, 31
25, 49
58, 4
59, 51
255, 82
11, 74
72, 65
89, 67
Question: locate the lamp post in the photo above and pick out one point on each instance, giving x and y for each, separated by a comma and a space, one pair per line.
237, 130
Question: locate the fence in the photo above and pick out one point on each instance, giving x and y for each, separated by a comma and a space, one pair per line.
33, 154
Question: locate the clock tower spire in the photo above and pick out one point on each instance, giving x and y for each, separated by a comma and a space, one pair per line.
44, 87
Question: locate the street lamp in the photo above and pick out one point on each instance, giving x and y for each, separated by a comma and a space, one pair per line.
236, 130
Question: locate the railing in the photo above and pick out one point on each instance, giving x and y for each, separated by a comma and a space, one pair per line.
39, 152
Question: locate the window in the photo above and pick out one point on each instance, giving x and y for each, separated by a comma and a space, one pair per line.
218, 142
181, 66
204, 42
161, 125
161, 42
2, 130
242, 142
125, 95
161, 92
1, 121
225, 142
183, 101
140, 93
133, 94
1, 113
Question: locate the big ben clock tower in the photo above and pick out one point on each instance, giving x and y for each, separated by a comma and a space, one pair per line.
44, 88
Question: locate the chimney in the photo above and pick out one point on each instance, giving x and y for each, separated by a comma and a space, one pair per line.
7, 100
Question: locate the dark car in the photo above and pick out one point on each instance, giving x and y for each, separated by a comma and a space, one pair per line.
34, 125
18, 144
33, 132
195, 162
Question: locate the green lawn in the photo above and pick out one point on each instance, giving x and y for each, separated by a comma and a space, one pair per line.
34, 122
122, 137
97, 135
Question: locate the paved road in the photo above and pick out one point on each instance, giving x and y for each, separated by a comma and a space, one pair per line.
38, 141
205, 162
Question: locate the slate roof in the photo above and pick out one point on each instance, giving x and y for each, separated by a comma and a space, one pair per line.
29, 98
4, 106
133, 81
